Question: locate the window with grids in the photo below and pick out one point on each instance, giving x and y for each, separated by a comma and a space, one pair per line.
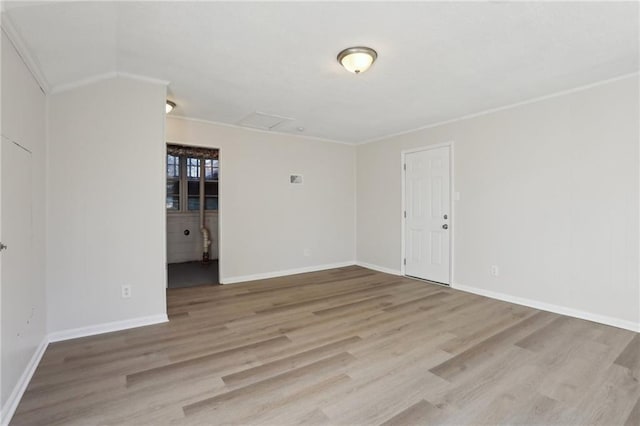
183, 183
173, 183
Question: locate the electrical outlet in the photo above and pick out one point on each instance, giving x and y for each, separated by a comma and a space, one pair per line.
494, 270
306, 252
125, 291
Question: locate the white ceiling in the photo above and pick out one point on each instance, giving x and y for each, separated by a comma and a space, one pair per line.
437, 61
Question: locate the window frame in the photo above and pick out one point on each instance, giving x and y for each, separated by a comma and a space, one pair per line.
172, 179
183, 187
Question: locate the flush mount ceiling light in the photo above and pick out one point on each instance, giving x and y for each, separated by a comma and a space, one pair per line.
170, 106
357, 59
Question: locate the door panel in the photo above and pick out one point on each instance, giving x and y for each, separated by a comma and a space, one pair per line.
16, 271
427, 203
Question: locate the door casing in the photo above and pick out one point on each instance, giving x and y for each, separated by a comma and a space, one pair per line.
220, 191
452, 193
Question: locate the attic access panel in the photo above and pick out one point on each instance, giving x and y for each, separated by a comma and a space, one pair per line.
260, 120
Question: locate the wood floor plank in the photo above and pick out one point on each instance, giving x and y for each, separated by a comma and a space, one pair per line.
487, 348
630, 357
634, 416
189, 366
343, 346
348, 307
422, 412
417, 302
610, 398
472, 396
387, 394
299, 407
275, 367
271, 384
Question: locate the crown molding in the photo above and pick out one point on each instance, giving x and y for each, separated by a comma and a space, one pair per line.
144, 78
502, 108
106, 76
252, 129
29, 60
83, 82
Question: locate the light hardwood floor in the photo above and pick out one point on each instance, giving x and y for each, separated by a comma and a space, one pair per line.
345, 346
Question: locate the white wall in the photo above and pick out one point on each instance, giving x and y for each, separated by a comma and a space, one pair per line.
23, 308
107, 209
549, 193
185, 248
265, 222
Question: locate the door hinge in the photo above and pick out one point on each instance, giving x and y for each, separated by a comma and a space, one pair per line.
405, 260
405, 167
405, 214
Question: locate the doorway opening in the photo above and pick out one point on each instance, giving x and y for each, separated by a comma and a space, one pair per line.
427, 213
192, 205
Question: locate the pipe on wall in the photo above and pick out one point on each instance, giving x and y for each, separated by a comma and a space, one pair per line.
206, 242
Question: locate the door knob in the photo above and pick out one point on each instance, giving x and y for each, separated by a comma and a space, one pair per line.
445, 226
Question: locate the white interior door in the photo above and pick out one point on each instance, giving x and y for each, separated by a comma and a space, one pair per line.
16, 216
16, 272
427, 215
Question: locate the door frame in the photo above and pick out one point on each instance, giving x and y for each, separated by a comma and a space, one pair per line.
220, 191
452, 227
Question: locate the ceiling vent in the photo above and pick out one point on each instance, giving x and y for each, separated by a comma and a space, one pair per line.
260, 120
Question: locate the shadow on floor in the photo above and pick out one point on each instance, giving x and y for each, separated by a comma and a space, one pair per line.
190, 274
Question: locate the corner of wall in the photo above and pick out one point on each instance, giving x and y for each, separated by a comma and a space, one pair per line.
379, 268
283, 273
9, 409
355, 203
549, 307
109, 327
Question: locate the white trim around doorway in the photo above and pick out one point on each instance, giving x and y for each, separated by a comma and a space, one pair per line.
452, 198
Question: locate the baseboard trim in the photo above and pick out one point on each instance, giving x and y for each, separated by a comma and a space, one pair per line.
379, 268
10, 406
557, 309
108, 327
284, 273
16, 395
